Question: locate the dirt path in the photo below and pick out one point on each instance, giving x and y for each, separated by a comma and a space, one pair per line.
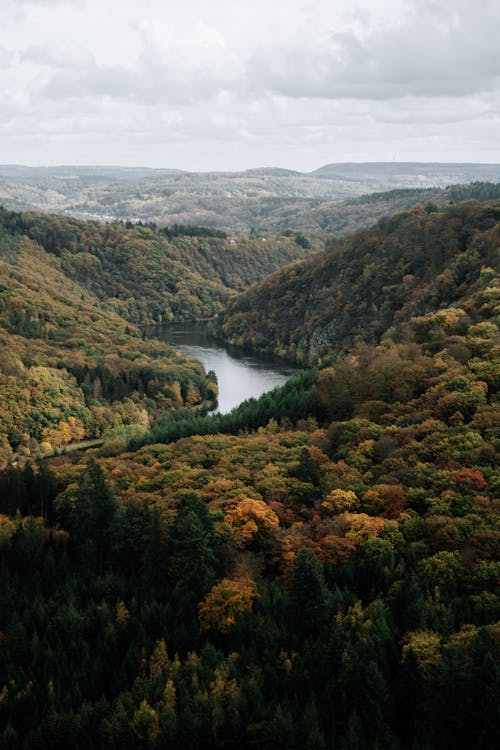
78, 445
81, 445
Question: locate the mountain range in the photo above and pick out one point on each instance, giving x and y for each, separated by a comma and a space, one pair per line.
268, 198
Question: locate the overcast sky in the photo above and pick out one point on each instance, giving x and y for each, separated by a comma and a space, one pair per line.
225, 84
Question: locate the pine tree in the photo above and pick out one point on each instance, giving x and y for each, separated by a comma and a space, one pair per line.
308, 593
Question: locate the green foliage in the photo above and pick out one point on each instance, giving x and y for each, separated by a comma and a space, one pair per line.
72, 294
308, 594
294, 401
148, 274
72, 368
407, 265
316, 569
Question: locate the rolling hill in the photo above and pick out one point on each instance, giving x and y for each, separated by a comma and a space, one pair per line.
268, 198
318, 568
409, 264
74, 362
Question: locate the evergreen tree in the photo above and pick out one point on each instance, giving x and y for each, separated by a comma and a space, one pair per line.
308, 593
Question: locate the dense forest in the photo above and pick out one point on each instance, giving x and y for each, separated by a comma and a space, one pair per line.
72, 368
150, 274
317, 569
336, 198
339, 218
74, 364
407, 265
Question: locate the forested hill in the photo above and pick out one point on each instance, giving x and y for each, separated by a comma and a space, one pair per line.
271, 199
407, 265
323, 575
73, 362
339, 218
70, 367
151, 275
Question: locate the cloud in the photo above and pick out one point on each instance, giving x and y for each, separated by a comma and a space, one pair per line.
6, 57
48, 2
58, 56
170, 68
427, 51
436, 51
228, 83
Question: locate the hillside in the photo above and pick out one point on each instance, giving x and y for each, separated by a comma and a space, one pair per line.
240, 200
409, 264
263, 199
408, 174
74, 364
72, 368
339, 218
72, 292
149, 274
325, 574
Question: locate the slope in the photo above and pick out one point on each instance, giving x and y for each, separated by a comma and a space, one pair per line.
338, 218
147, 274
226, 589
71, 367
409, 264
271, 199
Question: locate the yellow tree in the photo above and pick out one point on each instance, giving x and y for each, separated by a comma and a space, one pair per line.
225, 602
250, 518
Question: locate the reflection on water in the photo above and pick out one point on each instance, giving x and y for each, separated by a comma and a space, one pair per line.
240, 376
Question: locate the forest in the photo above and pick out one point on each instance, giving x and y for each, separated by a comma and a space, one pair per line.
151, 274
317, 569
75, 300
336, 199
409, 264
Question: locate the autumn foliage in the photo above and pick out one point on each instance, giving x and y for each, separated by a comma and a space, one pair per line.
317, 569
225, 602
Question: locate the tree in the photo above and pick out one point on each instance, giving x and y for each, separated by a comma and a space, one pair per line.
225, 602
89, 511
145, 724
193, 544
252, 520
308, 593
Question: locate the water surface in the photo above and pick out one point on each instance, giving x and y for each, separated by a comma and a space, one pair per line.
239, 375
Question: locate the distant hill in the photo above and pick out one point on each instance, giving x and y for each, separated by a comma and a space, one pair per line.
340, 218
407, 265
267, 198
409, 174
111, 173
272, 172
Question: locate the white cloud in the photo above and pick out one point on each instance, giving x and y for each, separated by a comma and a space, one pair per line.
58, 56
171, 68
6, 58
433, 51
232, 84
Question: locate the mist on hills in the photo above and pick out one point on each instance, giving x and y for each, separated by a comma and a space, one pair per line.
266, 198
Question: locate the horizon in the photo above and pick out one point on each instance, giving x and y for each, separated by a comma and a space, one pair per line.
261, 167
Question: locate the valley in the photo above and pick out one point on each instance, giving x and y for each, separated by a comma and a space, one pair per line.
240, 375
75, 299
313, 567
329, 199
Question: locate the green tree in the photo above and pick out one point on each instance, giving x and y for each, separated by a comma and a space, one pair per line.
308, 593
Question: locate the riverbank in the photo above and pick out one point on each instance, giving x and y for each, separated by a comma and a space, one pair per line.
240, 375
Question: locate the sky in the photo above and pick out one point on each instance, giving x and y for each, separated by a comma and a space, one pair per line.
228, 85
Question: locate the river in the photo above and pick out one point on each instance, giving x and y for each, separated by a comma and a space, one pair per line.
239, 375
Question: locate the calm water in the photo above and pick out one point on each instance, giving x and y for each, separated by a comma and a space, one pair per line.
240, 376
